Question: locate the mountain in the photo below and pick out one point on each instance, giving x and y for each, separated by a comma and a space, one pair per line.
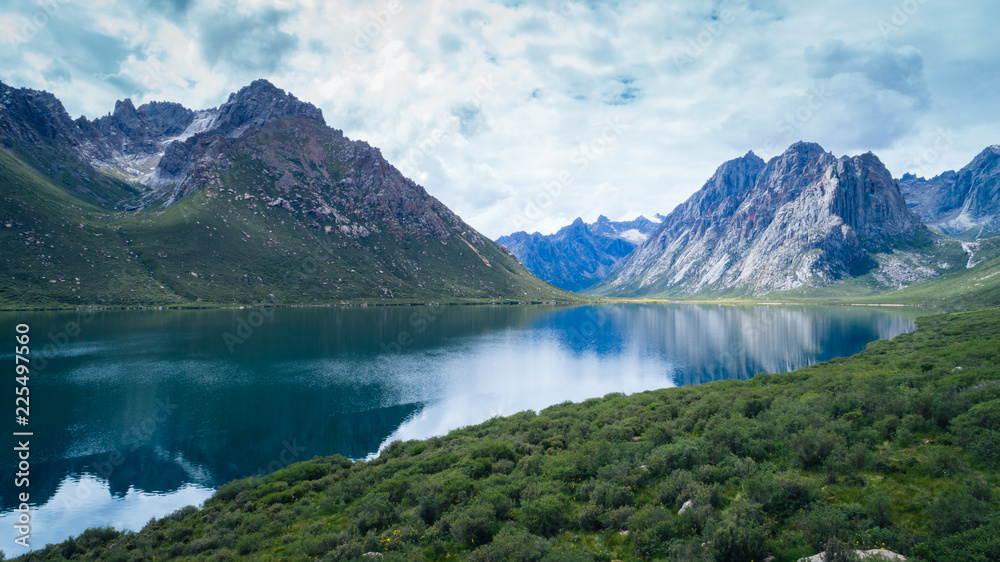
579, 255
804, 219
255, 201
965, 203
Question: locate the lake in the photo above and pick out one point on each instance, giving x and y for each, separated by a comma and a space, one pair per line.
135, 414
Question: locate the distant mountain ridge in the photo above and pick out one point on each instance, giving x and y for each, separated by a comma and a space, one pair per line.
224, 205
581, 254
965, 203
804, 219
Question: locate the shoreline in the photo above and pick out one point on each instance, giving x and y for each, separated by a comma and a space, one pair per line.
506, 302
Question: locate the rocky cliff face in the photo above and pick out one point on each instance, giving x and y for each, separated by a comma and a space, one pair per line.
579, 255
806, 218
33, 116
964, 203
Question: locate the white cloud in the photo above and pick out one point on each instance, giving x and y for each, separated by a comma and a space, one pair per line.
488, 103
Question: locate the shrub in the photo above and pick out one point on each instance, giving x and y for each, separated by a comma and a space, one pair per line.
610, 496
837, 550
492, 450
229, 491
500, 502
741, 534
545, 516
303, 471
473, 525
953, 512
589, 518
503, 466
942, 462
659, 435
674, 485
373, 511
430, 507
812, 446
823, 524
618, 519
98, 537
978, 430
477, 468
879, 510
682, 453
792, 494
512, 545
650, 531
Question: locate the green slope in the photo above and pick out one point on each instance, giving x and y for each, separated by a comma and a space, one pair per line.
60, 250
218, 247
897, 446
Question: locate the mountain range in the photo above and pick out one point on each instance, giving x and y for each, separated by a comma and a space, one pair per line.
966, 203
254, 201
259, 201
803, 219
581, 254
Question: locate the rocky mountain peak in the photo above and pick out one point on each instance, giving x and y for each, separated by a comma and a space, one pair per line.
32, 115
869, 200
258, 104
166, 119
965, 202
803, 218
580, 254
124, 109
126, 119
803, 161
987, 157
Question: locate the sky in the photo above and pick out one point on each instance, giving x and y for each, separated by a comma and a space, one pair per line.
523, 115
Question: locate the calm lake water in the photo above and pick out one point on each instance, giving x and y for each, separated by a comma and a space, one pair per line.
138, 413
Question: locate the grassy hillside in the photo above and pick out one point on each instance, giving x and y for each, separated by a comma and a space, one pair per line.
65, 243
896, 446
59, 249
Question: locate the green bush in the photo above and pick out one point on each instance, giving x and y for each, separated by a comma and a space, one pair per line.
473, 525
650, 531
879, 510
978, 430
512, 545
373, 511
228, 492
588, 518
958, 511
618, 519
823, 524
609, 496
791, 494
673, 486
812, 446
837, 550
741, 534
545, 516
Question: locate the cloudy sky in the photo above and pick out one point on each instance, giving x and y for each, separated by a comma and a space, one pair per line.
527, 114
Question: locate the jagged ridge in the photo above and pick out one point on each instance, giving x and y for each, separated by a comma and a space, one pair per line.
579, 255
966, 202
805, 218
